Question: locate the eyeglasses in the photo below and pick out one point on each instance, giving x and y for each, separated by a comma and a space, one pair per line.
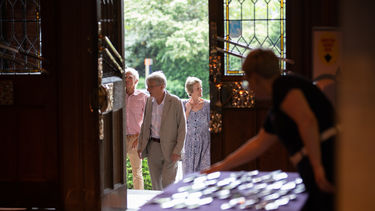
152, 86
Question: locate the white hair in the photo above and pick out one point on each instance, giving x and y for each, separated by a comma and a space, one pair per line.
132, 71
189, 84
158, 77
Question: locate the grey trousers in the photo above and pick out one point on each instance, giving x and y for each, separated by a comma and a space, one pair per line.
162, 172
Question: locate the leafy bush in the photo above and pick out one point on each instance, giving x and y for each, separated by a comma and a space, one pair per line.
145, 172
174, 33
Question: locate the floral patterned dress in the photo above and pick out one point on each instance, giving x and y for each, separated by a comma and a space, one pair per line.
196, 156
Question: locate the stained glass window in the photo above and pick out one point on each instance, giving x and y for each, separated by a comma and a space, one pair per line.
252, 24
20, 37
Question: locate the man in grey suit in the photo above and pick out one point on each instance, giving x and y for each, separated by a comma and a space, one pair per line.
162, 133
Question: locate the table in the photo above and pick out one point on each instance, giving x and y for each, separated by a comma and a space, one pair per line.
217, 203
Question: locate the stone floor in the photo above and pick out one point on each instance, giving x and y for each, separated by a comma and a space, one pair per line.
137, 198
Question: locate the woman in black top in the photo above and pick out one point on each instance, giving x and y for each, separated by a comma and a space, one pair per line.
301, 117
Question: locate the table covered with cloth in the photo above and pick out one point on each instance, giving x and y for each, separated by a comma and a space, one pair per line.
250, 190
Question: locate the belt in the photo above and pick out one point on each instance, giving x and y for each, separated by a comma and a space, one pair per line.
327, 134
155, 139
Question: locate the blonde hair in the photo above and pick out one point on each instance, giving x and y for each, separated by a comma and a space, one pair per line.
158, 77
263, 62
189, 84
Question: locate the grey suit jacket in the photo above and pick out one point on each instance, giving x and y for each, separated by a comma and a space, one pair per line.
172, 128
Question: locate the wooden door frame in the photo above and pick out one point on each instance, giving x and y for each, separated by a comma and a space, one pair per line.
76, 67
78, 119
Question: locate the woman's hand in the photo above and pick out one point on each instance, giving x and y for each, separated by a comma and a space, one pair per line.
321, 180
247, 152
215, 167
194, 105
175, 157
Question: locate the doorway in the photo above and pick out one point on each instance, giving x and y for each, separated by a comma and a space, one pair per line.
171, 36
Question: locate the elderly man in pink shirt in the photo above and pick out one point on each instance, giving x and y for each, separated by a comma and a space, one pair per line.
135, 105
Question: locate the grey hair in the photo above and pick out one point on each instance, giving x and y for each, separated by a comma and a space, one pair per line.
132, 71
190, 81
158, 77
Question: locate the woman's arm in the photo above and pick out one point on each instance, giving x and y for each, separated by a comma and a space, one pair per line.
187, 108
296, 107
246, 153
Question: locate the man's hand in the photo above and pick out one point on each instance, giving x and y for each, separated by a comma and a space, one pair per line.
139, 154
135, 144
321, 180
175, 157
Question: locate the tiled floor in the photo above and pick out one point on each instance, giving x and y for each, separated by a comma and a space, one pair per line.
137, 198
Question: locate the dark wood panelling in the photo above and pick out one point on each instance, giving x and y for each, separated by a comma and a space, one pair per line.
298, 30
29, 194
29, 131
118, 153
301, 17
32, 145
238, 126
107, 147
216, 12
78, 82
112, 152
9, 146
113, 156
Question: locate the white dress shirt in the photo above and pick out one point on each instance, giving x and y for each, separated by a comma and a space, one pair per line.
157, 111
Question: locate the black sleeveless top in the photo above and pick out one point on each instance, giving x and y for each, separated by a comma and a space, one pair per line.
278, 123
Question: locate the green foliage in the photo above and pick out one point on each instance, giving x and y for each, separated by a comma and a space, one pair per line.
146, 175
129, 174
141, 83
177, 88
174, 33
145, 172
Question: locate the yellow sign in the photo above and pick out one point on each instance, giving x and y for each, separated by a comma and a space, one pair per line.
328, 49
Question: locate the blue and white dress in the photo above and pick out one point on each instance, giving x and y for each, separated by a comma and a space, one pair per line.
196, 156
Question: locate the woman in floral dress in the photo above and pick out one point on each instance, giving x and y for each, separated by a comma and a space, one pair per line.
197, 142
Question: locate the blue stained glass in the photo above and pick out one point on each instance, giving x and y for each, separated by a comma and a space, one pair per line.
235, 28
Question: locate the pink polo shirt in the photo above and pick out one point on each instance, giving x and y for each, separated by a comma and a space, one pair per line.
135, 106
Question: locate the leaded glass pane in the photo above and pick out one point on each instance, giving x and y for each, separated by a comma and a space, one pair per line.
253, 23
20, 37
